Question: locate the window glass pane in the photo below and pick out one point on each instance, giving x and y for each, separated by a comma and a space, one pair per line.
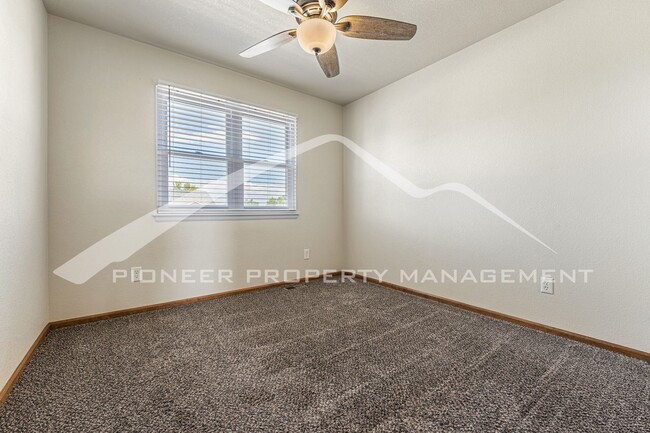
196, 130
194, 181
264, 140
265, 186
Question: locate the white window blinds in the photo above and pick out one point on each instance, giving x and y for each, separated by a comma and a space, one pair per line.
218, 156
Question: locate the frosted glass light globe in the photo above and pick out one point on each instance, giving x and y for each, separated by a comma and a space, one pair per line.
316, 35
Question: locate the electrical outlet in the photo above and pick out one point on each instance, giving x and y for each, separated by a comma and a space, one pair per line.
306, 254
548, 286
136, 274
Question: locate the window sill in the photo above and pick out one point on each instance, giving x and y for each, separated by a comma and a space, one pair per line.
225, 215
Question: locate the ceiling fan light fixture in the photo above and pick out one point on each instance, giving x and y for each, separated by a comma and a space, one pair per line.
318, 26
316, 35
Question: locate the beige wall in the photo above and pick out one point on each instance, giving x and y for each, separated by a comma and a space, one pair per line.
102, 173
548, 120
23, 188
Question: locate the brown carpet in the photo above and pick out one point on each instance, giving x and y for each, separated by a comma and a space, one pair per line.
323, 357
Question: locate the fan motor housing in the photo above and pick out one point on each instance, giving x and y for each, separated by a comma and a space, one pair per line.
313, 10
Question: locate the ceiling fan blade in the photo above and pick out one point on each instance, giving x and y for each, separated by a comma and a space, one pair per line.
269, 44
356, 26
283, 5
329, 61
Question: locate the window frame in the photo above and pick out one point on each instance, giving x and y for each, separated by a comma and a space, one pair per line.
235, 195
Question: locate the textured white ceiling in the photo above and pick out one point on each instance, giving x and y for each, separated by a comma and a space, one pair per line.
217, 30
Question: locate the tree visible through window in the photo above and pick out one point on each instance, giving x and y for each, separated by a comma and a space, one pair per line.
220, 156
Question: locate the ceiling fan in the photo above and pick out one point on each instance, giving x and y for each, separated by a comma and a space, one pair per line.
318, 24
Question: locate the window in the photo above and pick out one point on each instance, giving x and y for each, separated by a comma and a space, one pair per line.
222, 158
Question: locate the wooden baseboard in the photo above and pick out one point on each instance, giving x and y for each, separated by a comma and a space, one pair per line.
4, 394
628, 351
137, 310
